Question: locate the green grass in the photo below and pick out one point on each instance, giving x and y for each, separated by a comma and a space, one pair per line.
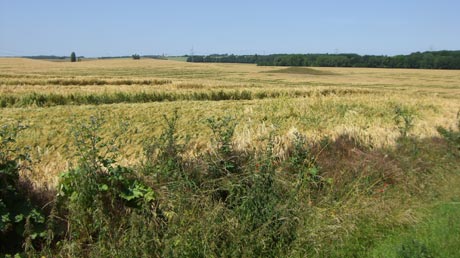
438, 235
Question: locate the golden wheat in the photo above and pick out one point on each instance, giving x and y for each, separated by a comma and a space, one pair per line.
359, 102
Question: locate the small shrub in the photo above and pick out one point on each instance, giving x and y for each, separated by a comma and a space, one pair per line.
404, 119
302, 163
224, 158
266, 225
164, 154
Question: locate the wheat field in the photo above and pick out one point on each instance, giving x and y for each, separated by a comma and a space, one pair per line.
323, 162
317, 102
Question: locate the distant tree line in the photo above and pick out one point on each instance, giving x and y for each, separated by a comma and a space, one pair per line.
134, 56
46, 57
422, 60
216, 58
52, 57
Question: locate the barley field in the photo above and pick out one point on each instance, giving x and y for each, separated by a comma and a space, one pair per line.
349, 115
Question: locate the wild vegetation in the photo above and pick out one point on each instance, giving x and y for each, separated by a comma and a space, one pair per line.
329, 162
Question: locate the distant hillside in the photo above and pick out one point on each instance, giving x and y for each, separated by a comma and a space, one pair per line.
422, 60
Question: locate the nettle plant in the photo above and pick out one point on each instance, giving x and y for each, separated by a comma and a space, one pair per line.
302, 162
164, 154
98, 167
404, 119
98, 190
225, 159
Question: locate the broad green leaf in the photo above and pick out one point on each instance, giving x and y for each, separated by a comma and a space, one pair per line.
18, 218
104, 187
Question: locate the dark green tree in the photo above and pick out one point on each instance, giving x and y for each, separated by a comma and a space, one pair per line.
73, 57
427, 60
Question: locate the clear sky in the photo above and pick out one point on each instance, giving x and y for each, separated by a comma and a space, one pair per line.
173, 27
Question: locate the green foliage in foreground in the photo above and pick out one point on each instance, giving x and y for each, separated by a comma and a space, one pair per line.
227, 202
21, 222
98, 197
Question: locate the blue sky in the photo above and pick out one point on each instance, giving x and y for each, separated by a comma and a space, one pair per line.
103, 28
